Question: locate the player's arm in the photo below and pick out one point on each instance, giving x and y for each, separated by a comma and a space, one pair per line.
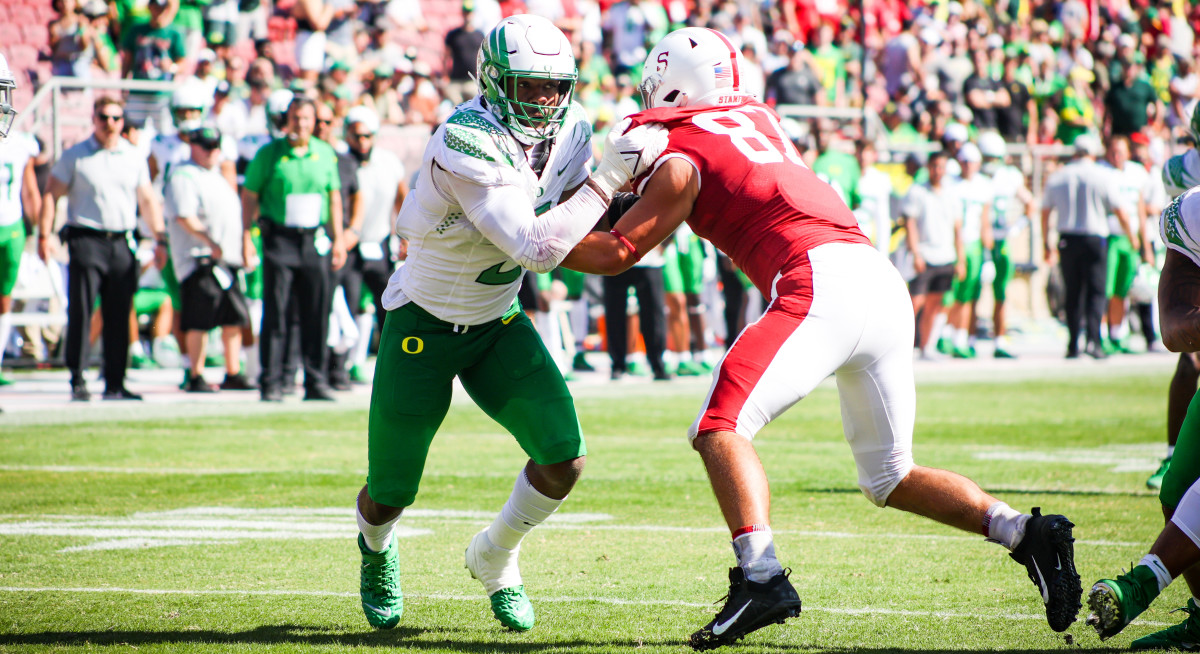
30, 198
335, 225
1126, 222
152, 210
1047, 249
666, 202
55, 189
960, 250
985, 229
1179, 301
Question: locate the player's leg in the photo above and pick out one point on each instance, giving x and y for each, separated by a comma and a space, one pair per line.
410, 395
1116, 602
965, 291
1004, 272
772, 365
12, 243
519, 385
692, 273
1179, 395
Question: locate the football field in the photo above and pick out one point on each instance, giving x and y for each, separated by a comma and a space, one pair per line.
229, 527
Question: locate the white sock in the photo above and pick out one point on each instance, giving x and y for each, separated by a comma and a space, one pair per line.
1160, 571
960, 338
377, 537
1005, 525
685, 357
525, 509
756, 554
1170, 451
135, 348
1002, 342
1117, 332
5, 333
253, 366
366, 328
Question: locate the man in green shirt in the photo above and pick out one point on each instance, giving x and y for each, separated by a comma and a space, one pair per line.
152, 51
292, 190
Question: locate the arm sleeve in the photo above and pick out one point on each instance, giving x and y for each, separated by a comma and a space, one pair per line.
504, 215
180, 197
64, 168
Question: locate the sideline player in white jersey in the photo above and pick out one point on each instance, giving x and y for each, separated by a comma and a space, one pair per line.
1114, 603
1124, 254
1008, 185
19, 198
974, 189
838, 306
491, 199
189, 106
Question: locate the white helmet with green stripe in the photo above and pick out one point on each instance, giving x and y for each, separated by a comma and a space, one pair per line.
526, 46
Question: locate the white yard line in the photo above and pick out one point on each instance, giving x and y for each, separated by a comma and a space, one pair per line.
614, 601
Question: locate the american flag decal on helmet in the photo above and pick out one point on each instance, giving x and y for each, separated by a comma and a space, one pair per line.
723, 75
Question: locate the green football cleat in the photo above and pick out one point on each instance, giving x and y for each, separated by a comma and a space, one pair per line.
1156, 479
379, 585
689, 369
357, 375
1114, 603
512, 608
4, 381
1184, 636
498, 570
1002, 353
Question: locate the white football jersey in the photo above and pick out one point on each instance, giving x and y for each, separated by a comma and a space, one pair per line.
171, 151
1131, 182
1007, 183
975, 194
1180, 225
15, 153
453, 271
1181, 173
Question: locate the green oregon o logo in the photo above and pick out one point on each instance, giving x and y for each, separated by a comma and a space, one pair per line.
412, 349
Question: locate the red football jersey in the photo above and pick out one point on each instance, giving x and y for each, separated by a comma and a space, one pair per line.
759, 203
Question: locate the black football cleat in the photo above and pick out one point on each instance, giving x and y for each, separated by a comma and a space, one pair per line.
1048, 553
750, 606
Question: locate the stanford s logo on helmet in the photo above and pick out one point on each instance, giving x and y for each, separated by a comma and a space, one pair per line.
692, 67
7, 83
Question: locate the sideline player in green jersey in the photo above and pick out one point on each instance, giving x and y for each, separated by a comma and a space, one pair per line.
18, 198
485, 206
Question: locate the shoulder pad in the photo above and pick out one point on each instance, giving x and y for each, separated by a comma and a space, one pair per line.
470, 133
1180, 225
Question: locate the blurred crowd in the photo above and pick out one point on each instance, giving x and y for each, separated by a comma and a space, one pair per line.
868, 89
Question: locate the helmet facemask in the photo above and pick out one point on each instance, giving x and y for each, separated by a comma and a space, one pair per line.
7, 113
531, 122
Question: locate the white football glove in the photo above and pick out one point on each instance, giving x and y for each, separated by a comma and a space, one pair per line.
628, 154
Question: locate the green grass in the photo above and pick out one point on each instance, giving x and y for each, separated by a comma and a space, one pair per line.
872, 580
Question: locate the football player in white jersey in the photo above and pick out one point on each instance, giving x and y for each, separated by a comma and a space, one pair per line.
503, 187
1008, 184
19, 198
1181, 172
974, 190
1114, 603
1124, 255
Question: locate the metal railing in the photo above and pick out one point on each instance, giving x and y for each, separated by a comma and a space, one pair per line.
47, 104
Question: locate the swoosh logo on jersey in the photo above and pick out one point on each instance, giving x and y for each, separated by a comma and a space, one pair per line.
495, 277
722, 627
563, 169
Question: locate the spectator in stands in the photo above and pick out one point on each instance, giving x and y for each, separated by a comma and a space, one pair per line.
105, 181
797, 83
423, 101
1076, 112
462, 47
1017, 120
152, 51
312, 19
264, 53
985, 96
72, 41
1128, 101
208, 247
293, 185
382, 98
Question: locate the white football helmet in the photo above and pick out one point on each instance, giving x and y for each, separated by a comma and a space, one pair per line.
992, 145
526, 46
692, 67
189, 97
7, 83
277, 108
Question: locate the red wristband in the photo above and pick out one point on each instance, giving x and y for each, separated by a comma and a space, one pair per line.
624, 241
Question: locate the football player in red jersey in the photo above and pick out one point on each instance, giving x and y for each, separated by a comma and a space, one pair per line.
837, 307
